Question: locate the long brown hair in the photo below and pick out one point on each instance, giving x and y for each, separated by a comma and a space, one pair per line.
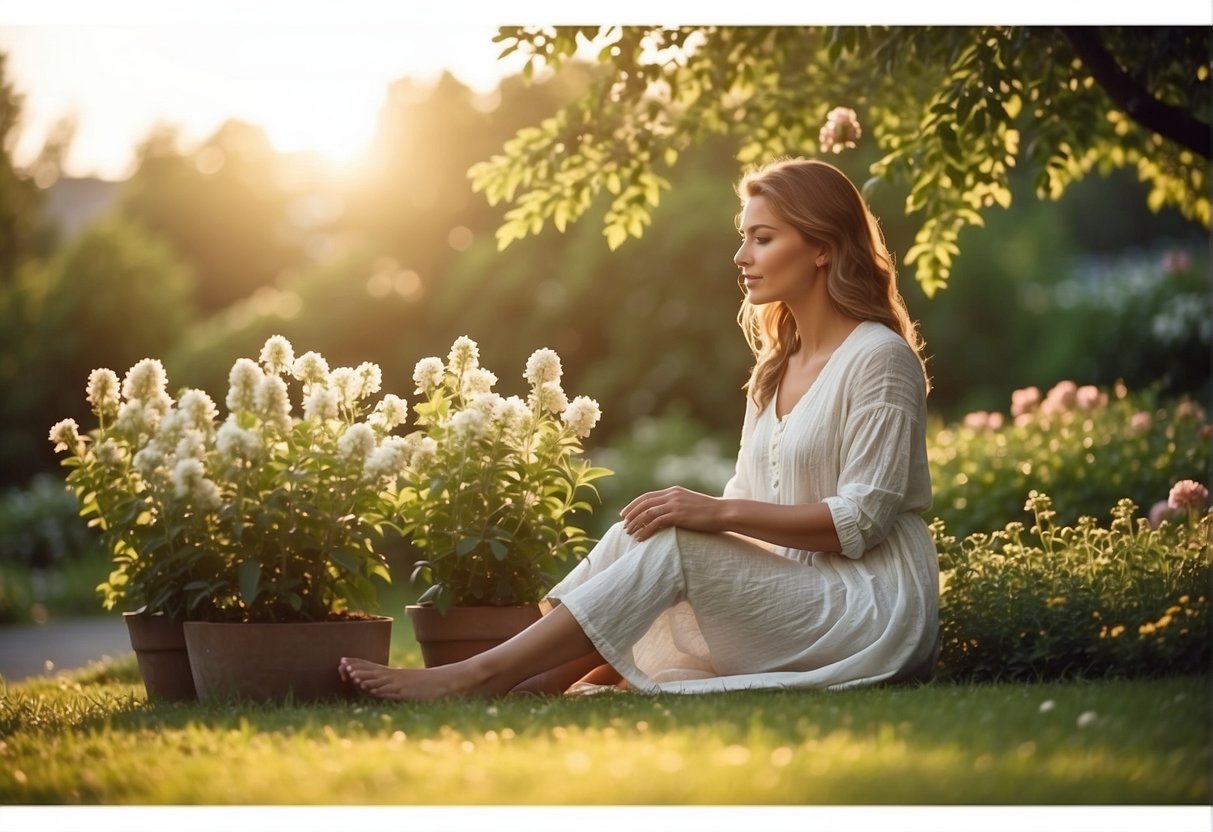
822, 204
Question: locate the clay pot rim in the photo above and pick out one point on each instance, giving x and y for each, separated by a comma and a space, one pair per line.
370, 619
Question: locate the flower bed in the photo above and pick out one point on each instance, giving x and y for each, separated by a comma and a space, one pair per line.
1085, 600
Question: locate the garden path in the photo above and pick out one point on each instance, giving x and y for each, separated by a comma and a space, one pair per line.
68, 644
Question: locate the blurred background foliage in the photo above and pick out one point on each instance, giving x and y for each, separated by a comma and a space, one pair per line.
206, 250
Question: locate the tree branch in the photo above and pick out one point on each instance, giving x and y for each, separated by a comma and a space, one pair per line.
1169, 121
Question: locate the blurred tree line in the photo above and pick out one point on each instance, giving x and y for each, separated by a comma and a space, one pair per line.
212, 248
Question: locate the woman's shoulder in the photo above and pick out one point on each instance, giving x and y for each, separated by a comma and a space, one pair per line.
881, 352
874, 341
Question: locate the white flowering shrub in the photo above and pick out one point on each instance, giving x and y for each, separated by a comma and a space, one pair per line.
263, 516
490, 481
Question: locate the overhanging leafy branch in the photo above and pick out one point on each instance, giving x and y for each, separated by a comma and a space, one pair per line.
952, 109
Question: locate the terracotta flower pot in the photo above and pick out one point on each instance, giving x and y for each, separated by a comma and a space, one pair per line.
465, 631
159, 645
274, 662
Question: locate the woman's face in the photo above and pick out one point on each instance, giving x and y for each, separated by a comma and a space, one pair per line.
775, 261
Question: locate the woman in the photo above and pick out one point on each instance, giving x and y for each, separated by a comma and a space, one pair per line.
815, 568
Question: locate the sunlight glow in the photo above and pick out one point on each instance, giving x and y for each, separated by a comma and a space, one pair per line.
311, 88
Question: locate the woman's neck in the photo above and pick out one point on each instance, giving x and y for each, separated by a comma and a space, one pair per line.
819, 324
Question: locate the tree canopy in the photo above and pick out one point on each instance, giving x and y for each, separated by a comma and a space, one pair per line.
951, 109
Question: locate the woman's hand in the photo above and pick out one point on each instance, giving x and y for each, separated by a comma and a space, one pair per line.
677, 506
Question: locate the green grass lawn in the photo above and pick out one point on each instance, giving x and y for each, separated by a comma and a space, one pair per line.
91, 738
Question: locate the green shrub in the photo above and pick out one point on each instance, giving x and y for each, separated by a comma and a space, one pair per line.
41, 526
1084, 447
1066, 601
15, 594
36, 595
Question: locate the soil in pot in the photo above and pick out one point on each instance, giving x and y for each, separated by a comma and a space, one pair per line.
465, 631
159, 645
279, 662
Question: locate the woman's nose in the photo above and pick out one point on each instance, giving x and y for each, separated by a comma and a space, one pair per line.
740, 258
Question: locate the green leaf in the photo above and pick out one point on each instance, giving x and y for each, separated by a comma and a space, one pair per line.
347, 561
615, 235
250, 580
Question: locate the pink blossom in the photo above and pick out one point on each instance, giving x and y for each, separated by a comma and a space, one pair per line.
1140, 421
1024, 401
1188, 494
983, 420
1189, 409
1177, 260
840, 131
977, 420
1063, 395
1158, 512
1205, 431
1088, 397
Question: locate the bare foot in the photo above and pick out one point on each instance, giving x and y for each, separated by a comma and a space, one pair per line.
413, 684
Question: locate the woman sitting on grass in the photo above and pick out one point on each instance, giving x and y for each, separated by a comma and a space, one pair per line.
815, 568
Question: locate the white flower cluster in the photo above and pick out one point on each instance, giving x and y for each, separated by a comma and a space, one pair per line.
356, 443
549, 397
582, 414
467, 425
512, 414
198, 410
243, 381
190, 483
477, 380
273, 402
311, 369
146, 401
543, 367
428, 375
66, 435
103, 392
320, 404
391, 412
144, 381
353, 384
464, 356
420, 450
150, 464
237, 443
277, 356
387, 460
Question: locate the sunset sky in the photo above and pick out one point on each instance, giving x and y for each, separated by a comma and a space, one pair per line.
121, 66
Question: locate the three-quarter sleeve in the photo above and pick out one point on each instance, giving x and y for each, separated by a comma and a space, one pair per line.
883, 470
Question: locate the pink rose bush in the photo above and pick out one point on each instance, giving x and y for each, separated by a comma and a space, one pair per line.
1085, 445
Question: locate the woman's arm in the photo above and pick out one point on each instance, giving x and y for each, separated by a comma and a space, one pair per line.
809, 526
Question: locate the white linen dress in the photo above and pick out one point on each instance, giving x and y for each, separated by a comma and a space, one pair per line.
689, 612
